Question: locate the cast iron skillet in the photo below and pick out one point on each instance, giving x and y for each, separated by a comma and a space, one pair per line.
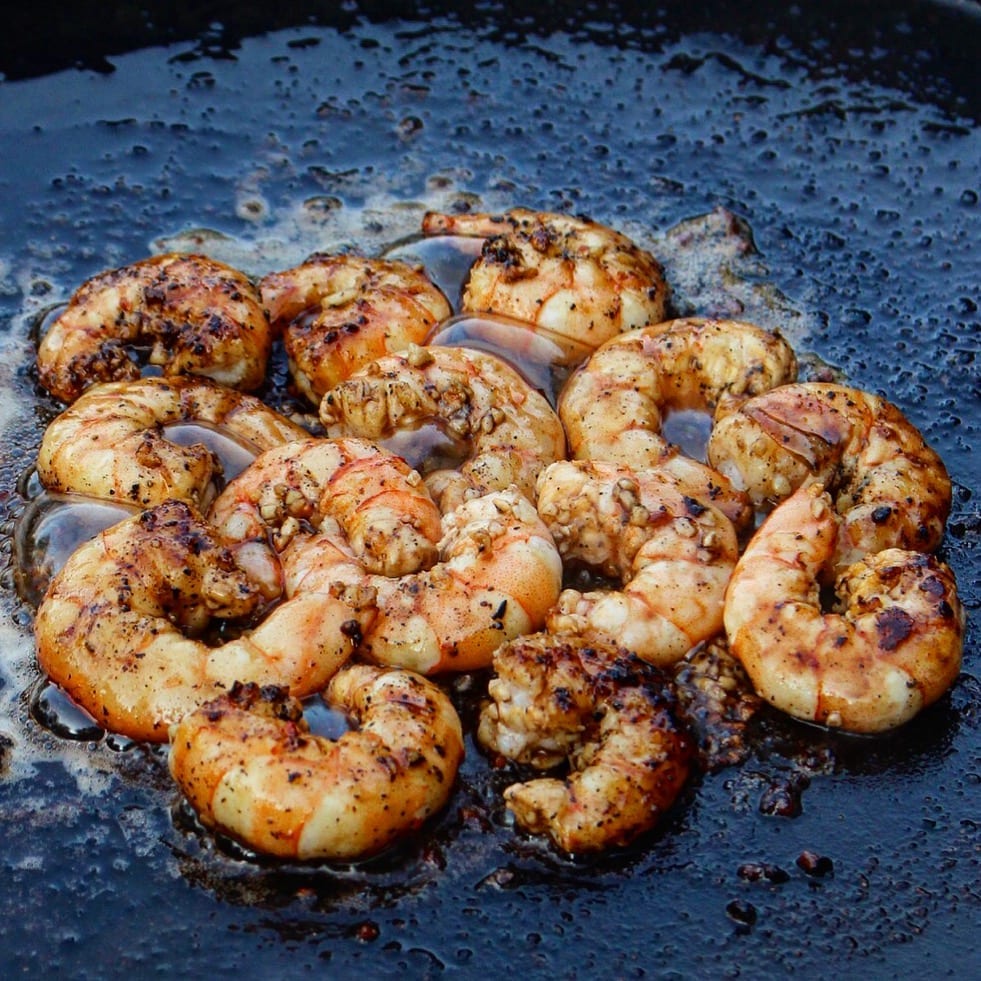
844, 134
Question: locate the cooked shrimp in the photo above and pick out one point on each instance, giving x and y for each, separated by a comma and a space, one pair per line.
891, 489
116, 626
371, 496
672, 555
508, 428
338, 312
574, 276
893, 647
613, 405
250, 767
555, 698
112, 443
202, 317
497, 576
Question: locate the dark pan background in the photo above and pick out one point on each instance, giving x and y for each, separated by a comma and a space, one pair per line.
846, 134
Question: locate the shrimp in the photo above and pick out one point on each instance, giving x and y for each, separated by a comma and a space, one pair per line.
118, 627
573, 276
508, 428
889, 486
350, 486
498, 574
202, 317
111, 443
672, 555
612, 406
338, 312
250, 767
556, 697
892, 648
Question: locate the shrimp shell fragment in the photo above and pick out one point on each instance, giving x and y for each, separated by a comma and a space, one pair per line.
249, 766
672, 555
891, 489
554, 698
571, 275
112, 629
339, 312
509, 428
893, 647
110, 444
203, 317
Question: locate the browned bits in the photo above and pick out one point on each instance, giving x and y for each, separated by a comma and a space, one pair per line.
815, 864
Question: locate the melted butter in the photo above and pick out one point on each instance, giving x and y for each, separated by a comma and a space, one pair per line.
49, 529
323, 719
689, 430
426, 448
52, 708
234, 454
544, 358
446, 258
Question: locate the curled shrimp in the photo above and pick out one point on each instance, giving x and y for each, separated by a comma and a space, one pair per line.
112, 443
202, 317
507, 428
672, 556
892, 647
250, 767
573, 276
346, 486
891, 489
338, 312
613, 406
497, 575
555, 698
120, 625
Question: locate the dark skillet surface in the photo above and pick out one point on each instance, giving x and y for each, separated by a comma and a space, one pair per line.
848, 141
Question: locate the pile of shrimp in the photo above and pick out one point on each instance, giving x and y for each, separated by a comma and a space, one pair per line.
632, 606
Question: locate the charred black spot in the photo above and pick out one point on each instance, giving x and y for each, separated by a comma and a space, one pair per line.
933, 587
894, 626
693, 507
564, 700
352, 630
273, 693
